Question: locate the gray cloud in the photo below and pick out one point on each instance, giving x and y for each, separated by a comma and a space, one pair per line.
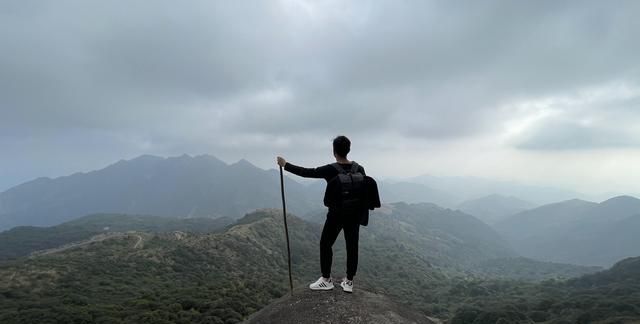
597, 118
569, 135
246, 78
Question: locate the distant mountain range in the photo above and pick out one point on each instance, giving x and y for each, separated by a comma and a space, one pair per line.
577, 231
493, 208
573, 231
204, 186
469, 188
23, 240
448, 239
184, 186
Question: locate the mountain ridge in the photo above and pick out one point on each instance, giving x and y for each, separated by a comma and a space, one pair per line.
182, 186
495, 207
577, 231
222, 277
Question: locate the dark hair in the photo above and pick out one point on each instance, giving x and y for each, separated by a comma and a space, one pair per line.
341, 146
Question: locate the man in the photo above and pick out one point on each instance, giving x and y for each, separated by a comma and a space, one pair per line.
337, 219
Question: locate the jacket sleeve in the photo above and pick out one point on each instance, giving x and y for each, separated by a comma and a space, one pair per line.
305, 172
373, 196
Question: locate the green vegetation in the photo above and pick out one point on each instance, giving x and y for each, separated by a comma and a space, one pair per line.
525, 269
416, 254
23, 240
607, 297
197, 278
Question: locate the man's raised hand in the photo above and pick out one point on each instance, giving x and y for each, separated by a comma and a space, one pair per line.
281, 161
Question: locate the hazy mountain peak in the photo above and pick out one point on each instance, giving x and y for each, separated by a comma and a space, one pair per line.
140, 160
624, 199
468, 187
629, 266
259, 214
576, 231
145, 157
199, 186
184, 156
498, 198
243, 163
571, 202
494, 207
208, 157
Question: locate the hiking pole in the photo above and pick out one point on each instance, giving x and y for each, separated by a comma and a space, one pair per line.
286, 229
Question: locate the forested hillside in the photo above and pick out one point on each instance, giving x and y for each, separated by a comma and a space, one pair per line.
610, 296
23, 240
151, 275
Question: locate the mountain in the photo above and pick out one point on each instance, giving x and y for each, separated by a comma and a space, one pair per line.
23, 240
148, 277
184, 186
544, 219
415, 255
493, 208
398, 191
454, 241
189, 277
615, 209
409, 192
446, 237
576, 231
610, 296
467, 188
626, 271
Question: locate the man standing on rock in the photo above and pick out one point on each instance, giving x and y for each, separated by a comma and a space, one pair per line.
345, 182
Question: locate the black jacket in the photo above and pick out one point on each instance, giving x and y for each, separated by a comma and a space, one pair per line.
328, 172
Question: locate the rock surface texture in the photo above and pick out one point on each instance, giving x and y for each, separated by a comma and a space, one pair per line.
336, 306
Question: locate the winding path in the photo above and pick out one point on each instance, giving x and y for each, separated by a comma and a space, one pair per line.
97, 238
12, 276
139, 243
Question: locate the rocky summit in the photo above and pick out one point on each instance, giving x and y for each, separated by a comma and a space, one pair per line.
336, 306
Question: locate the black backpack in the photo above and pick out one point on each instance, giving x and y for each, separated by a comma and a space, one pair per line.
346, 191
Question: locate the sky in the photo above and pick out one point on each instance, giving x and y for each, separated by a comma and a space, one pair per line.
540, 92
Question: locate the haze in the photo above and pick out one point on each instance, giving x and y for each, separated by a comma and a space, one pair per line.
540, 92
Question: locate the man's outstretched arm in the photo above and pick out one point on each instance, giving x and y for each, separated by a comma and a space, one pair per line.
300, 171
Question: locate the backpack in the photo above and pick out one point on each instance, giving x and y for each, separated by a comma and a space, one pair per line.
346, 191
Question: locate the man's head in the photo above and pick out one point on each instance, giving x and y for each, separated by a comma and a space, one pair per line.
341, 146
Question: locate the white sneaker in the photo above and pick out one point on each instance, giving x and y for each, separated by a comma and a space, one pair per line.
347, 285
322, 284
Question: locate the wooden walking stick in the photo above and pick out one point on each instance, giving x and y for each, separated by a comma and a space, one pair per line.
286, 230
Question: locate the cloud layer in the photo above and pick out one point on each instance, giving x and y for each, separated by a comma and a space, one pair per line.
92, 82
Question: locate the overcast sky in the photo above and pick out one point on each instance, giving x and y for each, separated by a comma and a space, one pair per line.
544, 92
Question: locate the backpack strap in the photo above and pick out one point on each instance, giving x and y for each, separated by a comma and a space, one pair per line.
354, 167
339, 168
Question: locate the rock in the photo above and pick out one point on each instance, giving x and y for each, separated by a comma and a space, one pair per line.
336, 307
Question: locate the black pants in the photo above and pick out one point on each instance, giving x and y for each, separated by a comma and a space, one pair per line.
332, 226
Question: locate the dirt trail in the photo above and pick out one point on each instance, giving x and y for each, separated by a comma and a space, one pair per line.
13, 275
97, 238
139, 243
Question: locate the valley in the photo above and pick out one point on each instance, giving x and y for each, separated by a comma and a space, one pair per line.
178, 256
